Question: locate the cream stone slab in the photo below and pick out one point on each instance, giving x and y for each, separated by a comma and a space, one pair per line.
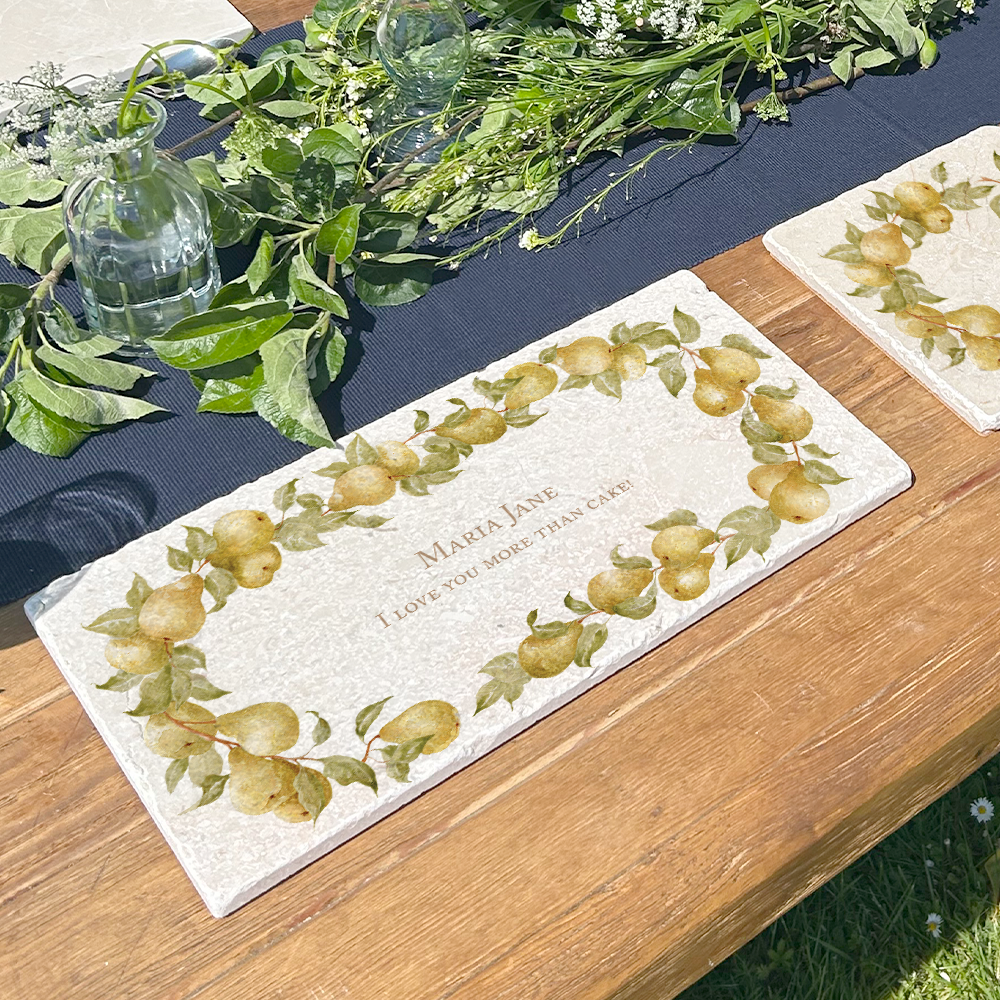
959, 267
415, 608
94, 37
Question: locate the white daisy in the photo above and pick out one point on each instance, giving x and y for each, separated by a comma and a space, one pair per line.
982, 810
934, 922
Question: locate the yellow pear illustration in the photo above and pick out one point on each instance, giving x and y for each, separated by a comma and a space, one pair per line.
256, 784
482, 426
167, 739
688, 583
240, 532
981, 321
613, 586
937, 219
174, 612
680, 545
291, 809
915, 197
791, 421
885, 246
984, 351
586, 356
537, 381
138, 654
262, 729
764, 478
437, 719
362, 486
712, 398
629, 361
731, 368
547, 657
873, 275
921, 321
256, 569
398, 459
797, 500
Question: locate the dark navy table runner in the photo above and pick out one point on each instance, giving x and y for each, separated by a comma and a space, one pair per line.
57, 514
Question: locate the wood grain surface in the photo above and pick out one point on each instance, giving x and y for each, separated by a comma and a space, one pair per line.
781, 737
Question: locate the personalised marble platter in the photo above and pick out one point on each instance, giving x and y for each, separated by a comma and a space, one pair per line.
911, 259
300, 658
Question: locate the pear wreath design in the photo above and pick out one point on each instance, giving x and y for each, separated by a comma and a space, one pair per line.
148, 637
875, 261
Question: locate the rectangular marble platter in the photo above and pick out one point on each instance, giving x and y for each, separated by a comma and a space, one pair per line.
947, 266
95, 37
425, 595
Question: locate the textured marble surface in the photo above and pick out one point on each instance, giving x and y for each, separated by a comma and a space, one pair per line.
959, 267
100, 36
366, 616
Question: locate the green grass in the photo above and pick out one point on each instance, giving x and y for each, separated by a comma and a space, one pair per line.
863, 935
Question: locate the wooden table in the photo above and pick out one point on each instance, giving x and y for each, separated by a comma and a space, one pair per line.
780, 738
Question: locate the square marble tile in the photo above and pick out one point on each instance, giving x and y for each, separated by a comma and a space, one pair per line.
101, 36
944, 268
433, 604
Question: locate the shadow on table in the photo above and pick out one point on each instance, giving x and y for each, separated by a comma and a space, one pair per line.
69, 527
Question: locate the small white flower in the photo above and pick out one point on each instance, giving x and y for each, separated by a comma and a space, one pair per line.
929, 863
530, 240
934, 922
982, 810
947, 841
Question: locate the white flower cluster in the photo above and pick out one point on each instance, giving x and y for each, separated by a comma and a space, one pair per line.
673, 19
354, 92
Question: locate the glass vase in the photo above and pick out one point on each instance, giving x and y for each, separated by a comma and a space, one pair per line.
140, 236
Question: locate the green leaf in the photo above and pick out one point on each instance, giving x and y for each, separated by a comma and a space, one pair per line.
876, 213
696, 104
118, 622
180, 687
282, 158
520, 417
679, 516
591, 639
286, 375
769, 454
550, 630
212, 786
753, 527
629, 562
548, 355
368, 715
386, 232
995, 205
421, 421
321, 731
846, 253
220, 583
62, 328
360, 452
740, 343
155, 693
121, 680
756, 431
231, 395
399, 757
311, 289
508, 680
334, 470
815, 449
638, 607
289, 109
187, 657
260, 267
311, 791
688, 328
35, 237
672, 373
893, 299
338, 236
232, 218
338, 144
179, 560
348, 770
19, 185
84, 406
38, 429
138, 592
202, 689
200, 543
175, 771
394, 279
284, 496
203, 766
818, 472
220, 335
776, 392
95, 371
576, 382
608, 382
577, 607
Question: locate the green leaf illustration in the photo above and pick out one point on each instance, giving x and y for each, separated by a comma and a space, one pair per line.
507, 681
638, 607
769, 454
120, 680
688, 328
179, 559
608, 382
421, 421
940, 174
776, 392
187, 657
212, 786
818, 472
577, 607
629, 562
118, 622
220, 583
155, 693
815, 449
740, 343
547, 355
311, 791
203, 766
321, 731
360, 452
672, 372
368, 715
334, 470
550, 630
576, 382
679, 516
138, 592
200, 543
202, 689
593, 637
348, 770
175, 772
752, 527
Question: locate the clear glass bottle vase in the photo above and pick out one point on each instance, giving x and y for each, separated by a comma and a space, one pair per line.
140, 236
